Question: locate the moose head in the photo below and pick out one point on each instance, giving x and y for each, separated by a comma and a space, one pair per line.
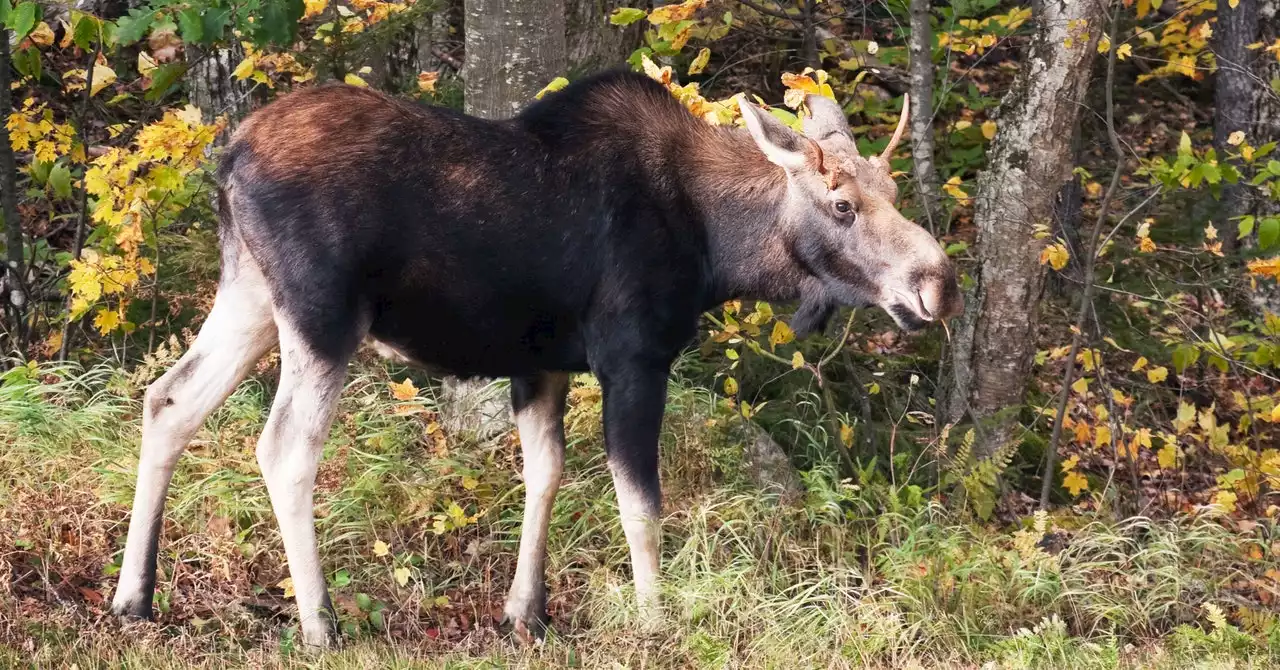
841, 222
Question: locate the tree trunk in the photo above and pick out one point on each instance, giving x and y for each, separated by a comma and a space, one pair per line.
593, 43
1266, 128
213, 90
513, 49
15, 277
1029, 161
1234, 93
922, 142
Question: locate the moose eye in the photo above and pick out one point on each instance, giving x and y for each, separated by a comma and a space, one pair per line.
843, 207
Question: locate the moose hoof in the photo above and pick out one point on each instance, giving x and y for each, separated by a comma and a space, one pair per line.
131, 608
527, 622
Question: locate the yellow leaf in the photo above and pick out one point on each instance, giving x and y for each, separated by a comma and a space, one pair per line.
675, 12
1120, 398
1081, 385
146, 64
1168, 456
1275, 413
380, 548
781, 334
730, 386
42, 34
1082, 433
846, 434
103, 77
989, 129
313, 7
470, 483
287, 585
953, 189
405, 390
873, 388
106, 320
245, 68
1233, 3
1056, 255
1124, 51
427, 81
1102, 435
1210, 233
1075, 483
1104, 44
797, 361
1269, 267
1225, 501
1235, 138
1139, 364
700, 61
1157, 375
355, 80
1186, 417
555, 85
402, 575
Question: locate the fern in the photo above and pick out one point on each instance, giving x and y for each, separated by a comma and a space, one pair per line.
978, 477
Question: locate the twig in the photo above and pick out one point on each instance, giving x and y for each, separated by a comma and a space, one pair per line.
447, 58
82, 222
1091, 257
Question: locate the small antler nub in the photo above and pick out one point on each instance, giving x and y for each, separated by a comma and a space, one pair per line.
902, 126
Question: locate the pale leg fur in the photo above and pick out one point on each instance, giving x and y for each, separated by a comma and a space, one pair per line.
289, 454
643, 529
238, 331
541, 426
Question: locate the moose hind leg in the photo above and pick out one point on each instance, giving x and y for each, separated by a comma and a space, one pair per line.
289, 454
238, 331
538, 404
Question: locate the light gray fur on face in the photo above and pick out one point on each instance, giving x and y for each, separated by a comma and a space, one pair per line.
541, 427
238, 331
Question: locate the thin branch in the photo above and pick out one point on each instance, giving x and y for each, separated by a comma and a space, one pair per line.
82, 223
1091, 257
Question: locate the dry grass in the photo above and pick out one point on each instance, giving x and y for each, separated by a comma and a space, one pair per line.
847, 578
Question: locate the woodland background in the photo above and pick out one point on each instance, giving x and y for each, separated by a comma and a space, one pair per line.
1082, 471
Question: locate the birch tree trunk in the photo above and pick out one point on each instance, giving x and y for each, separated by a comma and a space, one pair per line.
593, 43
1234, 92
213, 90
922, 142
1029, 161
513, 49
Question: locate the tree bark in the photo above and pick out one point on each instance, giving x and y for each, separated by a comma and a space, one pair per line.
922, 141
1265, 128
15, 246
593, 43
513, 49
1029, 161
1234, 93
213, 90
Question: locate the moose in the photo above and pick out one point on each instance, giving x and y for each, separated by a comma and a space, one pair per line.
586, 234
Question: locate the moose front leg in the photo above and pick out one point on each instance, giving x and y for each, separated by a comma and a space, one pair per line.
635, 396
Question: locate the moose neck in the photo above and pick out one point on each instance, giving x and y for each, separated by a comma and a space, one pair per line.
740, 197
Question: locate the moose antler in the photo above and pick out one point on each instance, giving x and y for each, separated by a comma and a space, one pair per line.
902, 126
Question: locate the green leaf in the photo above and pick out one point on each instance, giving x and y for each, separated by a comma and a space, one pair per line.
215, 23
131, 28
191, 25
625, 16
85, 32
1184, 145
364, 602
1268, 232
280, 20
163, 78
6, 8
1184, 357
28, 62
60, 180
23, 19
1245, 227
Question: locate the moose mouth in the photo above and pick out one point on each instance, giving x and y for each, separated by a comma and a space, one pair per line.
910, 314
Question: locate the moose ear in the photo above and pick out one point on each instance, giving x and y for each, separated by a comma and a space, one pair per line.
825, 119
781, 145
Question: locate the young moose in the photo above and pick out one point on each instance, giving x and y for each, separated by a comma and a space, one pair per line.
587, 234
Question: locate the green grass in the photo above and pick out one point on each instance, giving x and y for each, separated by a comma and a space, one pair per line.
848, 577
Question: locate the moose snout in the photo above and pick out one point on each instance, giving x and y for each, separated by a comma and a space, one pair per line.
939, 295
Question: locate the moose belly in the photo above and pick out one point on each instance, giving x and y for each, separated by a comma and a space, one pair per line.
495, 345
